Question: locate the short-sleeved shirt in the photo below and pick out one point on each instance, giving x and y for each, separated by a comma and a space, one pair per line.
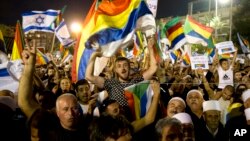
46, 126
115, 89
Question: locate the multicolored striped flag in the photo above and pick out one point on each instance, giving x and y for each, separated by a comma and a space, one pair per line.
111, 25
197, 33
175, 55
138, 43
41, 59
139, 98
225, 56
175, 33
186, 59
18, 44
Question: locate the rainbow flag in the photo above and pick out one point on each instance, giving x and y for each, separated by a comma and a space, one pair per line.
41, 59
139, 98
112, 25
175, 33
18, 44
197, 33
138, 43
186, 59
174, 55
225, 56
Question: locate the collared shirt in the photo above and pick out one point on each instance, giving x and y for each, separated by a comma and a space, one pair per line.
215, 133
115, 89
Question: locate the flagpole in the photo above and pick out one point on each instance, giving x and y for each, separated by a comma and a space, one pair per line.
53, 43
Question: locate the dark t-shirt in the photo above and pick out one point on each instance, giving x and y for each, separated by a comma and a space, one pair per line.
46, 126
115, 89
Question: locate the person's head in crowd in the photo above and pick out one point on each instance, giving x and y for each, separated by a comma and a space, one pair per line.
55, 80
46, 99
67, 68
187, 126
121, 68
68, 111
224, 64
227, 92
238, 92
161, 74
61, 71
42, 71
109, 128
110, 107
83, 92
8, 103
177, 85
7, 93
175, 105
237, 65
194, 100
246, 98
237, 76
212, 114
65, 84
169, 129
51, 71
188, 80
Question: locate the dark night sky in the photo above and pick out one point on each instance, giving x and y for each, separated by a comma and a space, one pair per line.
10, 10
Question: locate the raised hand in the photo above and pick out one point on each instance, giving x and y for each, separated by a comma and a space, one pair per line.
155, 87
151, 42
29, 54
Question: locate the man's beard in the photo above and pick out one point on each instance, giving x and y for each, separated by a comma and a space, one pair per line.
122, 77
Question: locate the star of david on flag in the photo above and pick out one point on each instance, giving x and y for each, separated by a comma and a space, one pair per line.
39, 20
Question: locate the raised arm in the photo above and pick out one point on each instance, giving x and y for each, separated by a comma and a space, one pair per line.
97, 80
210, 92
153, 64
235, 56
150, 115
25, 98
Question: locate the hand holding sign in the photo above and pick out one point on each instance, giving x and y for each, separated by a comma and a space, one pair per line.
225, 47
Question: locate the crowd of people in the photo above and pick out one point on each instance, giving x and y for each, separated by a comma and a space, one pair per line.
187, 105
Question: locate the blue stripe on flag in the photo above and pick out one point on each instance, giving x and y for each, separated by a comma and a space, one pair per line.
197, 35
83, 63
38, 28
143, 104
177, 39
4, 72
48, 13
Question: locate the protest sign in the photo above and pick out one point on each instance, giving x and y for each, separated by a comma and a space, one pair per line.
199, 62
225, 47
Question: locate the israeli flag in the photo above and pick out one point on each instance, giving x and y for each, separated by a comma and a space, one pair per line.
39, 20
63, 35
10, 73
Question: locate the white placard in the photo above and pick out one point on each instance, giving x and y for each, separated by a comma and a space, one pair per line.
199, 62
225, 47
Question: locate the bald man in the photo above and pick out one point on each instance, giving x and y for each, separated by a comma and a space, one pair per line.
65, 124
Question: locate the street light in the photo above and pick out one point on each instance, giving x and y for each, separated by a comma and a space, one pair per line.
76, 28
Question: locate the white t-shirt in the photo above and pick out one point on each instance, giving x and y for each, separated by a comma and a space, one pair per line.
85, 110
225, 77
